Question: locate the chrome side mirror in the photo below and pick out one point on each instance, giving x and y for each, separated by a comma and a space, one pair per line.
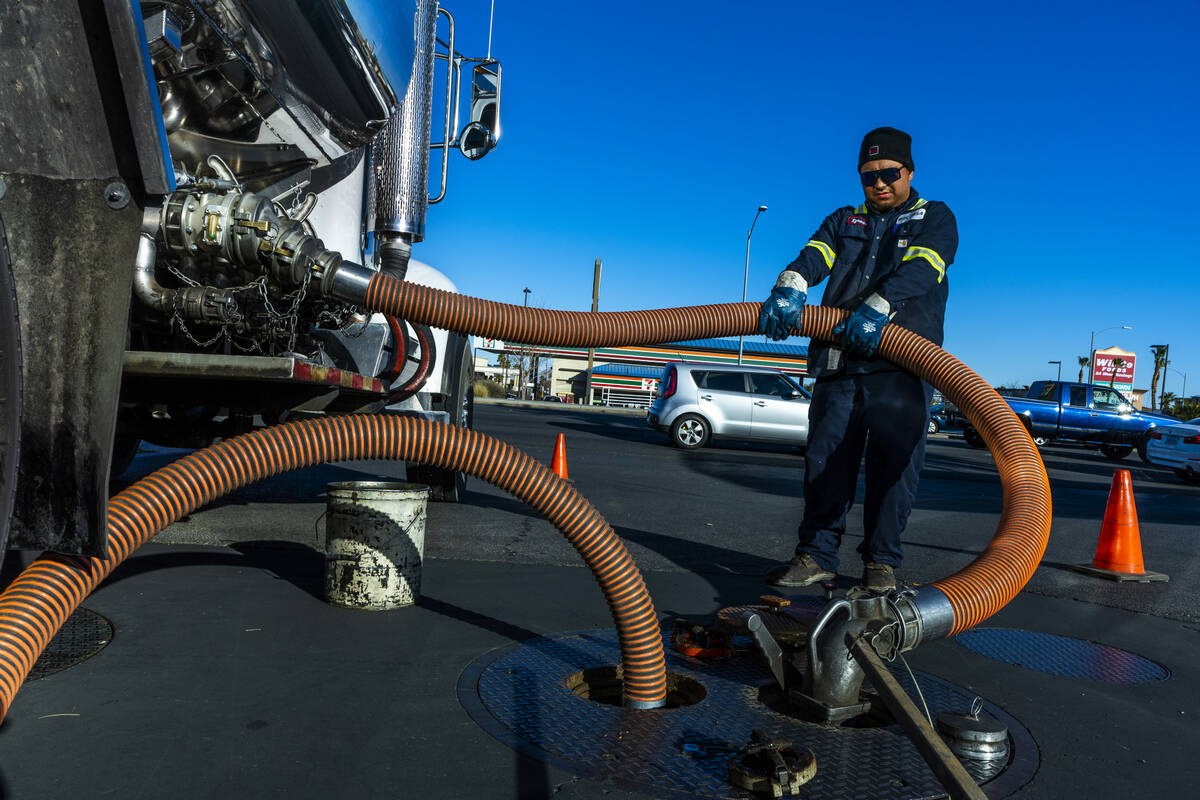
475, 141
482, 133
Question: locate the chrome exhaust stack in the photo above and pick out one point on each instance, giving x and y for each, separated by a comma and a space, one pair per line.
398, 177
398, 194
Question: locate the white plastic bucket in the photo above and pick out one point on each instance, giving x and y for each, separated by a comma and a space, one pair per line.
374, 544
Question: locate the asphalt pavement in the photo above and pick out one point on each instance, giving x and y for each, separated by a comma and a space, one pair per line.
227, 674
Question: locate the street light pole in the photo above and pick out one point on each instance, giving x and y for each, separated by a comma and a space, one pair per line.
1059, 369
746, 272
588, 391
1092, 347
1183, 392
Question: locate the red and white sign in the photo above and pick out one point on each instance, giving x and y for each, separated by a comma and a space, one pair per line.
1113, 367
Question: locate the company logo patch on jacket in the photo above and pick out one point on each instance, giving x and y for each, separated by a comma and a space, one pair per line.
855, 221
903, 218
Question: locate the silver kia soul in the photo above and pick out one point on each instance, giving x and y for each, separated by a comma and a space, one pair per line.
696, 402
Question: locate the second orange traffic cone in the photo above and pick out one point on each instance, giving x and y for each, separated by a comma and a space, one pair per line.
1119, 551
559, 464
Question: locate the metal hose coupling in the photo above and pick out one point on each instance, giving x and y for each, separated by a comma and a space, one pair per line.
242, 228
343, 280
891, 624
923, 615
193, 303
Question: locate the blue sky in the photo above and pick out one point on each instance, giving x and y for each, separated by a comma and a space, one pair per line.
1061, 134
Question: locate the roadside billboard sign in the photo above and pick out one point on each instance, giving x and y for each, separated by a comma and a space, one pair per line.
1114, 367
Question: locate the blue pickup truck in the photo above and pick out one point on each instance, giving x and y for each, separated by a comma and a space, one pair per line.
1081, 412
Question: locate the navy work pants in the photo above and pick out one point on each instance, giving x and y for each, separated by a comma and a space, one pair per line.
885, 414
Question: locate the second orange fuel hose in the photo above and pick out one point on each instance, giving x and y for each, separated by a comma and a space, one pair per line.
37, 603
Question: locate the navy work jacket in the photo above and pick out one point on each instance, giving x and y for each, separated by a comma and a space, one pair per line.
902, 255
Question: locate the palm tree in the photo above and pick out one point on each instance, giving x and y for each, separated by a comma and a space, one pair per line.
1167, 399
1083, 362
1118, 362
1160, 361
504, 362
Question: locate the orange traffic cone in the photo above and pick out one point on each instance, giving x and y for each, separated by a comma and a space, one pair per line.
1119, 552
559, 464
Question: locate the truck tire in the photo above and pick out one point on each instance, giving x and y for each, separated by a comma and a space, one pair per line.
972, 437
1143, 451
10, 391
1116, 451
447, 485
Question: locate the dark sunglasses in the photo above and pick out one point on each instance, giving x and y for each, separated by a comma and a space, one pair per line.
887, 175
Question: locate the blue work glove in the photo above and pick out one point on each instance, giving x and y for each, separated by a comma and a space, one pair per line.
781, 312
862, 329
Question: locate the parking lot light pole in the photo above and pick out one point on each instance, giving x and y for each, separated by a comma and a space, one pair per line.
746, 272
1092, 346
1059, 369
1183, 391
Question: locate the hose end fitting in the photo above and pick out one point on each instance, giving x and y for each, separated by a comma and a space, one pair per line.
643, 705
345, 281
924, 616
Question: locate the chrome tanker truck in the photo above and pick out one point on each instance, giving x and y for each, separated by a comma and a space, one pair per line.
173, 174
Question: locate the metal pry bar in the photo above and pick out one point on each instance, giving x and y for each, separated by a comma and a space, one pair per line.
770, 648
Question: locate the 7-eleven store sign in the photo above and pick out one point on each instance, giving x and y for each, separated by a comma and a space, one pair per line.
652, 356
601, 381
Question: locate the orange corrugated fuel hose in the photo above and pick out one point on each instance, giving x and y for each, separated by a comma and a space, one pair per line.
35, 605
951, 604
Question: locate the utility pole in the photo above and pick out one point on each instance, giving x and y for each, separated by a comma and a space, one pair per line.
521, 359
591, 350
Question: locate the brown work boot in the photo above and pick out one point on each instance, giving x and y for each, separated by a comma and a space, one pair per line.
802, 570
878, 578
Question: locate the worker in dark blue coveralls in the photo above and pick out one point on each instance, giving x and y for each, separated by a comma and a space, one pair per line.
885, 262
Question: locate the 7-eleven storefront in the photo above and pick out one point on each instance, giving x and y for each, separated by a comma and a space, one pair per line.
629, 375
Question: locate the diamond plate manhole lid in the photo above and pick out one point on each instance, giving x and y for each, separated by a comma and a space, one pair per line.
84, 634
519, 695
1062, 655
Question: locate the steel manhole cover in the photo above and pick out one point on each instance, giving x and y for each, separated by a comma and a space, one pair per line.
1062, 655
520, 695
84, 634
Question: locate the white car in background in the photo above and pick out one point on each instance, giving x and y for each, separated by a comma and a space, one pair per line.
697, 402
1178, 447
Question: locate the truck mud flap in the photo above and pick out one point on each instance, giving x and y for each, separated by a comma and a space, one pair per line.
72, 191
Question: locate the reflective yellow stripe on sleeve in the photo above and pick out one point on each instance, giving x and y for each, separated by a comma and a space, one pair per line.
929, 255
825, 250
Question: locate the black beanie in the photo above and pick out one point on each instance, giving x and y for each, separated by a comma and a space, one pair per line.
886, 143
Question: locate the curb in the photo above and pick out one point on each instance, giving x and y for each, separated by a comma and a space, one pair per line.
544, 406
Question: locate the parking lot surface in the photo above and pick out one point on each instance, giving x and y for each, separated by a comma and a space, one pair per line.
228, 675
